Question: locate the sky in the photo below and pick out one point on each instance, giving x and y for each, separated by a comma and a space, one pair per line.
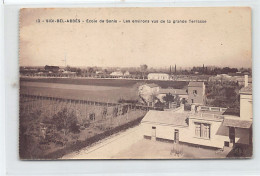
224, 40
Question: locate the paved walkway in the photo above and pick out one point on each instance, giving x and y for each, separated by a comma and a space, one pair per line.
109, 147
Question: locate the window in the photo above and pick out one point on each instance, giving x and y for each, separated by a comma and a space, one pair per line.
195, 92
202, 130
197, 129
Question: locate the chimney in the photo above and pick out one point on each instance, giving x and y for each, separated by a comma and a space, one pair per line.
246, 80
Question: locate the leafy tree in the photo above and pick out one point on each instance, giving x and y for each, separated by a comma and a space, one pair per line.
29, 140
68, 68
168, 98
115, 111
104, 112
105, 71
183, 101
125, 109
90, 71
223, 95
159, 104
143, 69
78, 71
66, 122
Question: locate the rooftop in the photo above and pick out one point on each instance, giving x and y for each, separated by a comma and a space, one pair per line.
237, 123
246, 90
196, 84
166, 117
173, 91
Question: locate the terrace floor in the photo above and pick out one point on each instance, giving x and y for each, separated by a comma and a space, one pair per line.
130, 144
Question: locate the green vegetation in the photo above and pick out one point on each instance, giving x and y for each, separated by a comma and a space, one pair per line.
223, 95
48, 127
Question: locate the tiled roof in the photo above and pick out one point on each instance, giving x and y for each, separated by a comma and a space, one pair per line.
237, 123
195, 84
173, 91
166, 117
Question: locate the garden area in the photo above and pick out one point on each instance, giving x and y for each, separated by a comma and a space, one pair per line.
49, 129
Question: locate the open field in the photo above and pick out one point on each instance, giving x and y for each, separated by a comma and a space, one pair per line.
82, 92
67, 86
105, 90
107, 82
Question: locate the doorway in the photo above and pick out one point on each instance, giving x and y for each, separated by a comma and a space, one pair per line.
232, 136
176, 136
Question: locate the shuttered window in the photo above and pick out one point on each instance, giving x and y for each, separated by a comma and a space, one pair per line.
202, 130
197, 129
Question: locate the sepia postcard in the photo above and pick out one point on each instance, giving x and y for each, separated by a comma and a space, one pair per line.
135, 83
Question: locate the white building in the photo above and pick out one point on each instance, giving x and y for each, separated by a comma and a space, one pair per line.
158, 76
117, 74
209, 129
126, 73
199, 129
